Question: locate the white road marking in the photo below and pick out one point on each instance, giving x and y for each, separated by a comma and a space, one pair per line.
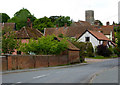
39, 76
19, 82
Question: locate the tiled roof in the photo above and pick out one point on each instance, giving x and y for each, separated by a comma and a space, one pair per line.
8, 26
99, 35
70, 45
28, 33
76, 29
106, 30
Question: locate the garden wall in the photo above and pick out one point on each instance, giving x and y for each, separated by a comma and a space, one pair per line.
13, 62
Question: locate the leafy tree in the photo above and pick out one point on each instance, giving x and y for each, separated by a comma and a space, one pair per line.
103, 51
118, 43
9, 43
89, 50
44, 45
62, 20
5, 17
42, 23
54, 18
20, 18
98, 22
60, 35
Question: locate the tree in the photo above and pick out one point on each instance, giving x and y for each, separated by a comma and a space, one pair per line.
118, 43
5, 17
20, 18
42, 23
9, 43
44, 45
98, 22
62, 20
54, 18
103, 50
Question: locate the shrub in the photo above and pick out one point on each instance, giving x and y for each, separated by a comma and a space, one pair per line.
90, 50
44, 45
9, 43
86, 49
103, 51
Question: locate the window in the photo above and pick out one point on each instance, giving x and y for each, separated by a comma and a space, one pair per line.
87, 39
18, 52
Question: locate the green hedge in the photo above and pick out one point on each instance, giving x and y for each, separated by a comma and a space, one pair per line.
86, 49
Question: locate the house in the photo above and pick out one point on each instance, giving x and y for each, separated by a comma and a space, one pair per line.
26, 33
7, 27
107, 30
76, 29
85, 32
96, 38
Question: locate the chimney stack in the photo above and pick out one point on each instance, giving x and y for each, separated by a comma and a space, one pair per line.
56, 26
107, 23
29, 23
65, 25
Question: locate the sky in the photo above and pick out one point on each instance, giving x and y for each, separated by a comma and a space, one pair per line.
104, 10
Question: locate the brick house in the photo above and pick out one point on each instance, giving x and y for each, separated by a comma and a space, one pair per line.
26, 33
7, 27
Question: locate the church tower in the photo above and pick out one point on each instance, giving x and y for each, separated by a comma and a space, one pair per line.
89, 16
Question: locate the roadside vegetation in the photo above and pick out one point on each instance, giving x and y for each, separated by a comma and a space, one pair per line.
44, 46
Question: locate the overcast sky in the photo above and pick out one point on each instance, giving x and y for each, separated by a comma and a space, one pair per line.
104, 10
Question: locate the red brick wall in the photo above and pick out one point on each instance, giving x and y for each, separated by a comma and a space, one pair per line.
53, 60
25, 62
13, 62
41, 61
4, 63
73, 56
63, 59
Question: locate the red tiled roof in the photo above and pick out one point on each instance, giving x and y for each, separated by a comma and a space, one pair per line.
8, 26
105, 29
76, 29
28, 33
70, 45
99, 35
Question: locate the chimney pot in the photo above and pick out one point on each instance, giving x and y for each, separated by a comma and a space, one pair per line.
56, 26
65, 25
107, 23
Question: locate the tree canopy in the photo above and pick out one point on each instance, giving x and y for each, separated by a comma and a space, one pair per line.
62, 20
5, 17
44, 45
42, 23
20, 18
98, 22
9, 43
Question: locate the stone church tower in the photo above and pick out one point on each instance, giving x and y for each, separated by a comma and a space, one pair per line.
89, 16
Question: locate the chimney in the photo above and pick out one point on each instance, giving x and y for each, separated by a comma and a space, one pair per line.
56, 26
107, 23
29, 23
65, 25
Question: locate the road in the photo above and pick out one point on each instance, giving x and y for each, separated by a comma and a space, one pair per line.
76, 74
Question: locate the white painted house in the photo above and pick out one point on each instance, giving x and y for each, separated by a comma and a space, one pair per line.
96, 38
108, 31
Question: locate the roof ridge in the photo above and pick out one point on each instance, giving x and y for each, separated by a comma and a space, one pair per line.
26, 32
39, 31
